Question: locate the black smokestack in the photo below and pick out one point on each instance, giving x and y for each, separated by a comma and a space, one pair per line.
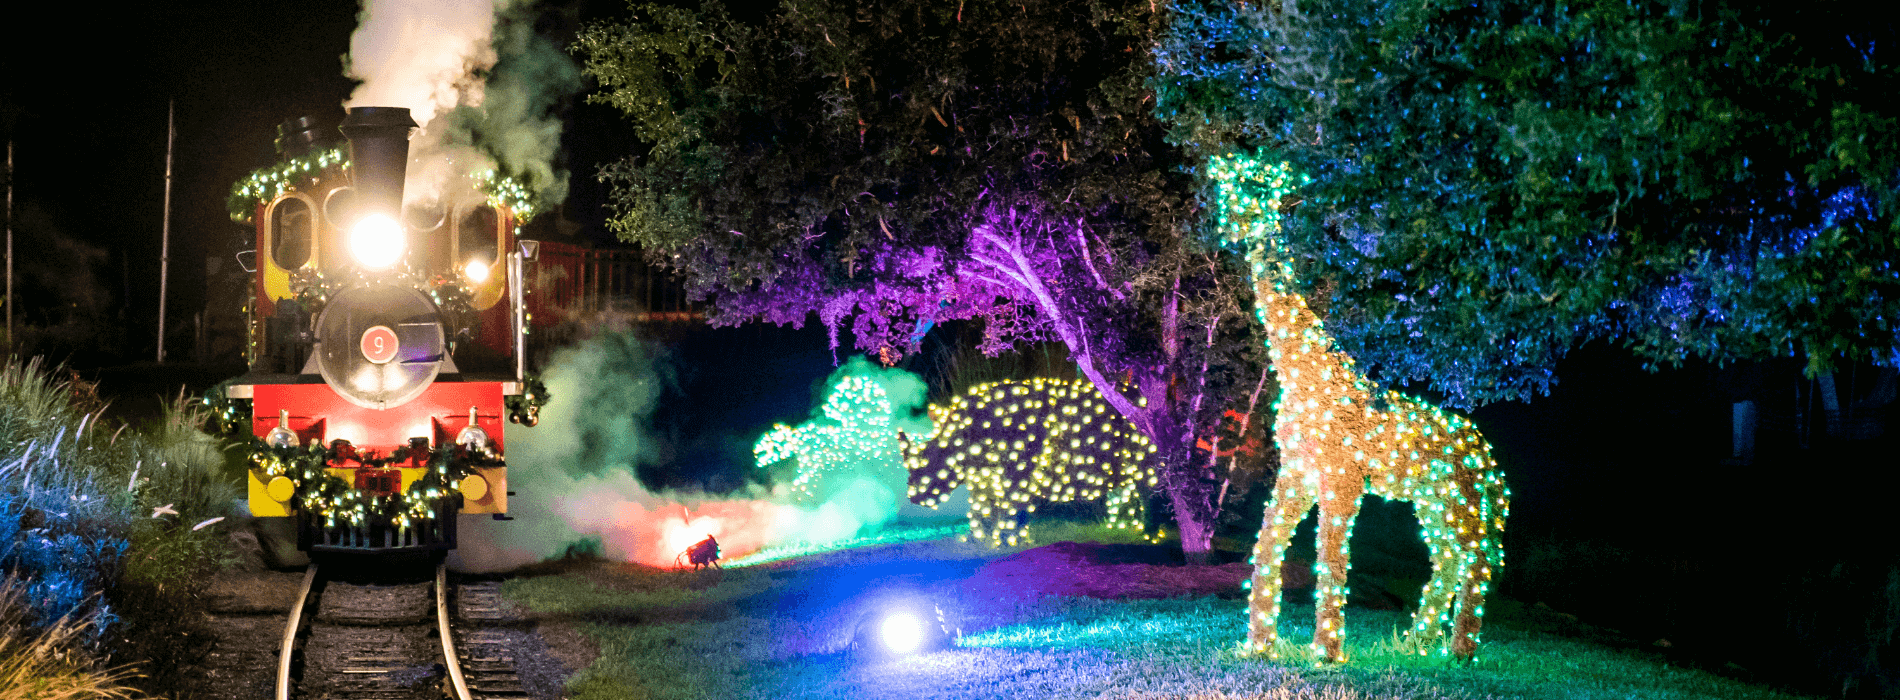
379, 155
300, 136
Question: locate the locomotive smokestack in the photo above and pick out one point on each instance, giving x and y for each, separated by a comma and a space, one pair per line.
296, 137
379, 155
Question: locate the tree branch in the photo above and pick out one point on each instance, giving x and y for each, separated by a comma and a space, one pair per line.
1088, 258
1071, 336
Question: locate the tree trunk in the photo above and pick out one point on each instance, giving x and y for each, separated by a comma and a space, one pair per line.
1197, 525
1191, 490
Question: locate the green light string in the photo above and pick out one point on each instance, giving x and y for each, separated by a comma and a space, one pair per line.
268, 183
856, 429
507, 192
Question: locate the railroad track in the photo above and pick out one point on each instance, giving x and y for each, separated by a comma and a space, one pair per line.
416, 640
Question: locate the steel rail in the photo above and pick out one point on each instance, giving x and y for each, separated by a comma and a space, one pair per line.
449, 658
290, 633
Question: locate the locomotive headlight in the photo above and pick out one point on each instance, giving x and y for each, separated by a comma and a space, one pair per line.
476, 270
376, 241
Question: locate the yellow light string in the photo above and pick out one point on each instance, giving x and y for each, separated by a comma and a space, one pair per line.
338, 502
1337, 443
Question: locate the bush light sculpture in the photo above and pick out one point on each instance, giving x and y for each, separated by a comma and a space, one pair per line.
1338, 440
858, 430
1019, 442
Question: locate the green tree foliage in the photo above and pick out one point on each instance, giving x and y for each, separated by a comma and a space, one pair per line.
1495, 183
893, 165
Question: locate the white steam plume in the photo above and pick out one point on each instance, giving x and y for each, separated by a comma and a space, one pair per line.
484, 86
421, 54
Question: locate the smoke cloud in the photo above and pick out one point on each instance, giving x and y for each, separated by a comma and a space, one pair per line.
574, 474
486, 88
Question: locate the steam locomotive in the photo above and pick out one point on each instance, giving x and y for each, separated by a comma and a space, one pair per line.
386, 345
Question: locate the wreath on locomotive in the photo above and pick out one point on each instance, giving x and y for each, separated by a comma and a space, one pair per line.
386, 343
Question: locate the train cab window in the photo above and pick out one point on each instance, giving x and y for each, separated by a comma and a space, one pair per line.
292, 227
478, 236
428, 235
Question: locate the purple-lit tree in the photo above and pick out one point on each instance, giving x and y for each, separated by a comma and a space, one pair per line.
889, 166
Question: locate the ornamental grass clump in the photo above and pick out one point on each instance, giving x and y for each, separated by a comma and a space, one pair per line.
40, 662
104, 527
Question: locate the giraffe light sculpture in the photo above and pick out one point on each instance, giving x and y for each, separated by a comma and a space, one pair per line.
1339, 440
1019, 442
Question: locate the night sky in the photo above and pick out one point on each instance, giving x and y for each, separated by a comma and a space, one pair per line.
85, 101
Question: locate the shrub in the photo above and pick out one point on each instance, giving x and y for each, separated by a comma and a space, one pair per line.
103, 529
42, 661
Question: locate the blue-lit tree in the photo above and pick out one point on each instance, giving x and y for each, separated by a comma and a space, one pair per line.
1493, 184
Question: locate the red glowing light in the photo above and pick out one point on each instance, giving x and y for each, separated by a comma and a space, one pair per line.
656, 534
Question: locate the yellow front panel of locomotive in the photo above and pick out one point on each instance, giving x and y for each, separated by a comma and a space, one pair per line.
262, 505
494, 500
495, 494
276, 282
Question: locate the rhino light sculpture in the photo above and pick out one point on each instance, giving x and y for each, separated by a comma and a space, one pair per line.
1017, 443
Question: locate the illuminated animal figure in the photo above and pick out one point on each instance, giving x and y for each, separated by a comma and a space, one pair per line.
1017, 443
1339, 440
857, 428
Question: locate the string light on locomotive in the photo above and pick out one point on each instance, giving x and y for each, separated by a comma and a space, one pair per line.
1338, 440
269, 183
505, 191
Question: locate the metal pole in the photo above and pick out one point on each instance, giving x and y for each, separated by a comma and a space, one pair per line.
9, 244
165, 229
520, 315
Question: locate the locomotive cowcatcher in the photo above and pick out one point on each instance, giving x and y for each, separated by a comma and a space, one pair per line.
386, 344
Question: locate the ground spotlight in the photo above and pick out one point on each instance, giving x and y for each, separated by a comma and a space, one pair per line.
901, 632
902, 629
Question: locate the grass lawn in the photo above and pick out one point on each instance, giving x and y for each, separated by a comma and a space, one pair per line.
783, 630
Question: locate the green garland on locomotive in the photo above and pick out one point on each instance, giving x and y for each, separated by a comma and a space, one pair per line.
311, 471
